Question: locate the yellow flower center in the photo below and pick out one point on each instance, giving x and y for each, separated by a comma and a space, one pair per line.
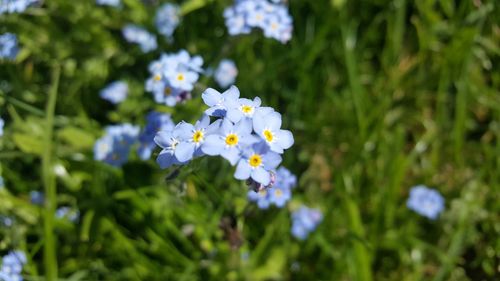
157, 77
246, 109
198, 136
278, 192
263, 192
180, 77
268, 135
274, 26
232, 139
255, 160
167, 91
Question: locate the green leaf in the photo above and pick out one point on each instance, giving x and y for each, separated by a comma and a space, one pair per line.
77, 138
27, 143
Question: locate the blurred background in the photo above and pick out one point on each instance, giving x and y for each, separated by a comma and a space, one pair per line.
381, 96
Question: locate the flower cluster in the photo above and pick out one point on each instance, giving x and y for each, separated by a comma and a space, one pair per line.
304, 221
280, 192
173, 77
115, 92
135, 34
272, 18
155, 122
12, 266
8, 46
113, 148
66, 212
15, 6
425, 201
246, 134
167, 19
114, 3
226, 73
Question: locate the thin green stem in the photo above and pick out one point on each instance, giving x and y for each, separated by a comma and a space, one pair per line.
49, 181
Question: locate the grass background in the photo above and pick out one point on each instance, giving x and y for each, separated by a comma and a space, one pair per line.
381, 95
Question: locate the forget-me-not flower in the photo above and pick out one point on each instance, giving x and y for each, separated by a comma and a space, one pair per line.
256, 162
226, 73
167, 19
2, 123
277, 193
192, 137
113, 148
12, 266
8, 46
114, 3
425, 201
230, 140
15, 6
115, 92
156, 122
268, 127
219, 102
304, 221
135, 34
37, 197
169, 141
67, 212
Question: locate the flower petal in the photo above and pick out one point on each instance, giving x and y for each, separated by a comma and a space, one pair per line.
211, 97
261, 176
285, 138
242, 170
184, 151
213, 145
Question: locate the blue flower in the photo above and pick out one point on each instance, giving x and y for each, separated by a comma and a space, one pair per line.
219, 102
193, 137
113, 148
36, 197
66, 212
169, 141
155, 122
8, 46
240, 108
12, 266
226, 73
230, 140
15, 6
425, 201
304, 221
268, 127
273, 18
2, 123
256, 162
114, 3
1, 182
167, 19
278, 192
173, 77
115, 92
135, 34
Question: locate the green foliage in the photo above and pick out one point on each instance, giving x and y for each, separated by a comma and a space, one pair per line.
381, 95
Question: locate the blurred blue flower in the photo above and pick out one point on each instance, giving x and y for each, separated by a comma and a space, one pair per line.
113, 148
230, 140
135, 34
8, 46
273, 18
114, 3
1, 182
6, 221
15, 6
115, 92
425, 201
226, 73
218, 102
278, 192
256, 162
2, 123
268, 127
173, 77
167, 19
304, 221
36, 197
156, 122
68, 213
12, 266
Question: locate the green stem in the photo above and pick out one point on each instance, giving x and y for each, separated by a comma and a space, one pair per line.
349, 39
49, 181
